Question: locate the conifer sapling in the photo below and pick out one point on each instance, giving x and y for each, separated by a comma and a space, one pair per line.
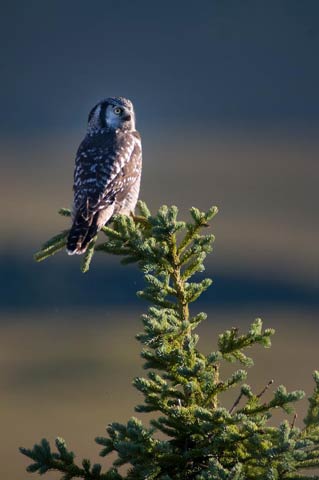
191, 434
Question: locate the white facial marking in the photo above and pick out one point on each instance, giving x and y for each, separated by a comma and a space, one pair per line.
112, 120
116, 121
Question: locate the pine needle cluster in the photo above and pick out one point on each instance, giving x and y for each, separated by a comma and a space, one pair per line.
191, 435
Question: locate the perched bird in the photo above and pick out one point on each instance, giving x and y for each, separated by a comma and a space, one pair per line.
107, 172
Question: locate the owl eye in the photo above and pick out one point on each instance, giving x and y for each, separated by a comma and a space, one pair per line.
117, 110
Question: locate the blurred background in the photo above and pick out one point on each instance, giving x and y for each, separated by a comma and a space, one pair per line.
226, 96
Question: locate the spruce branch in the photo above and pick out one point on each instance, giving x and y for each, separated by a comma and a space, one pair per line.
312, 419
260, 394
52, 246
63, 461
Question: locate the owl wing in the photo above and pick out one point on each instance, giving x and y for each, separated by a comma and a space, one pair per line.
105, 168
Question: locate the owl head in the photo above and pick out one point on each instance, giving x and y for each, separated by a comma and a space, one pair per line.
112, 113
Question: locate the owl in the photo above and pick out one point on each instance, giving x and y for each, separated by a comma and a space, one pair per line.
107, 172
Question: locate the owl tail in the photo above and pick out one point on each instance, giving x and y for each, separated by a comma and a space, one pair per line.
81, 233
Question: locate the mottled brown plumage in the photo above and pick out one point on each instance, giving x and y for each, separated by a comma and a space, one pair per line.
107, 171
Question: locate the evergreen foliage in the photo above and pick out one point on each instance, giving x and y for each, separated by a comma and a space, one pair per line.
202, 439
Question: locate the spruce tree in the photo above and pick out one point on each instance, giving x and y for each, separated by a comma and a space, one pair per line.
191, 435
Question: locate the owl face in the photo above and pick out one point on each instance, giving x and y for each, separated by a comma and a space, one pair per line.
112, 113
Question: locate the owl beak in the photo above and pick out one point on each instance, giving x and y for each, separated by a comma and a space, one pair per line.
127, 117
